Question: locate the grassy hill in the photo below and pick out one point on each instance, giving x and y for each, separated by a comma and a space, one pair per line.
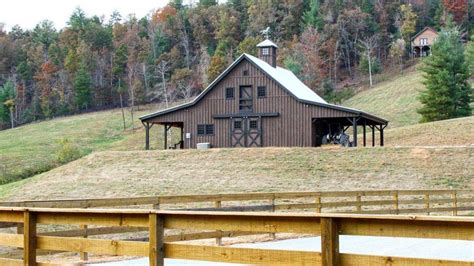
394, 99
109, 174
33, 148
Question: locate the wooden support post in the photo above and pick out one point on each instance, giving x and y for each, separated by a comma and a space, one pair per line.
373, 135
29, 238
181, 144
166, 137
329, 242
381, 135
454, 196
84, 255
396, 202
147, 136
318, 203
365, 134
427, 203
354, 133
157, 239
217, 205
156, 205
359, 203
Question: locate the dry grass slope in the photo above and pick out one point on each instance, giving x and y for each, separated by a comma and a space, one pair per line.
112, 174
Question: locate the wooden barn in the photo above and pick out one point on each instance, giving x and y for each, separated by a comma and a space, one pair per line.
255, 103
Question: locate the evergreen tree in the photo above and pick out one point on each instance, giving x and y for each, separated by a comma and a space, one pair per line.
7, 103
448, 93
470, 54
312, 17
82, 86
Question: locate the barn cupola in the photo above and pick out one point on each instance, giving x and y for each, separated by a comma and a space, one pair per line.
267, 51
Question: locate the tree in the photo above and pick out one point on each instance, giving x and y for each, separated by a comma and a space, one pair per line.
448, 93
118, 70
82, 87
408, 23
368, 46
397, 51
216, 66
470, 54
7, 103
312, 17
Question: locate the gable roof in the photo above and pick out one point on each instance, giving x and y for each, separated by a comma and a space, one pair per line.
267, 43
423, 30
284, 77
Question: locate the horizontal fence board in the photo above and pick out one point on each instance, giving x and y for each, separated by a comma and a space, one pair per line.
234, 222
408, 228
358, 260
10, 262
11, 240
95, 231
11, 216
84, 218
96, 246
241, 255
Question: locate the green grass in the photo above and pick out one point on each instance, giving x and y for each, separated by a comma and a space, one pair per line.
33, 148
395, 99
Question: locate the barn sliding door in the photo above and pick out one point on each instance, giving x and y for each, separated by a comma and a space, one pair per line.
246, 132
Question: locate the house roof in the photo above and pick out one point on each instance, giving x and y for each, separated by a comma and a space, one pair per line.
285, 78
423, 30
267, 43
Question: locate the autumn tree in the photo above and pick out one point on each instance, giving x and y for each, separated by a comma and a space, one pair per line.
408, 22
7, 103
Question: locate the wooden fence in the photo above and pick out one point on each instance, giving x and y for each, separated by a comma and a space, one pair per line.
372, 201
328, 226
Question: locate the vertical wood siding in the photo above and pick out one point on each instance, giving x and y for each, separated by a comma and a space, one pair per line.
293, 126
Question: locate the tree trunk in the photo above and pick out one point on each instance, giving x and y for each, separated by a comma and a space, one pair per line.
370, 69
12, 118
164, 87
121, 107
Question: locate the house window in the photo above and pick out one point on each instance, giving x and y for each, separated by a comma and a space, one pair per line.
265, 51
246, 72
229, 93
237, 124
205, 130
261, 91
253, 124
423, 41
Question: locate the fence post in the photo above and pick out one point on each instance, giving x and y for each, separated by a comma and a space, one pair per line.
454, 196
217, 205
329, 242
427, 203
318, 204
272, 209
157, 239
156, 205
84, 255
29, 238
359, 203
396, 202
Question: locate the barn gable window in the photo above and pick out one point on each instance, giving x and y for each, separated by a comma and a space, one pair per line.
205, 129
246, 72
265, 51
229, 93
261, 92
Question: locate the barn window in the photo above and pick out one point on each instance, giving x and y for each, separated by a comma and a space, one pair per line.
205, 130
253, 124
261, 91
265, 51
237, 124
229, 93
246, 72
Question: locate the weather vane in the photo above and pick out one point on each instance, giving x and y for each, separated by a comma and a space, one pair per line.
266, 32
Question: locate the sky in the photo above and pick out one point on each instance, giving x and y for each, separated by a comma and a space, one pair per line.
27, 13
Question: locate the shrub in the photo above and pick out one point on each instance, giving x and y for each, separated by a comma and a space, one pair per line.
67, 151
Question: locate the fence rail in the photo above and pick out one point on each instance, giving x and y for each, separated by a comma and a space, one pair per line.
328, 226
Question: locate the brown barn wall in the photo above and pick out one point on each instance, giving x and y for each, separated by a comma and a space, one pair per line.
291, 128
